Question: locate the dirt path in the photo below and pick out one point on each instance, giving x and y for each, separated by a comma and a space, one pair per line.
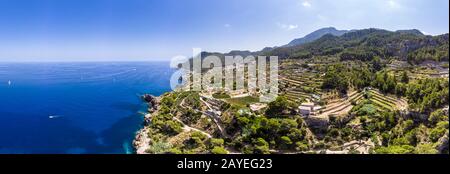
211, 115
188, 128
215, 117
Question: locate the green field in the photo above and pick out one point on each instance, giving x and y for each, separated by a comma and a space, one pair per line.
242, 101
221, 95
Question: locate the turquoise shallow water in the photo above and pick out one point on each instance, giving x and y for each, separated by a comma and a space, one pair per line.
75, 107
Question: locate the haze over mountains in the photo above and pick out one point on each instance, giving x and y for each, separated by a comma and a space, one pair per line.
296, 42
364, 44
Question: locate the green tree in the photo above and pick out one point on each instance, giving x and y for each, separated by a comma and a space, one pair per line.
396, 149
376, 63
300, 146
427, 148
217, 142
171, 127
261, 146
286, 142
335, 79
278, 107
404, 77
219, 150
437, 116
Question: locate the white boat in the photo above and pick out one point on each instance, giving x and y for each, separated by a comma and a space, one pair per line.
53, 116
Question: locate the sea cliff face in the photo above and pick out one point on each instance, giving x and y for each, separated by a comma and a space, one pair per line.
152, 102
141, 141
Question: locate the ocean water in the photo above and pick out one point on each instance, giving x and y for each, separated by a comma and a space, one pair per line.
73, 108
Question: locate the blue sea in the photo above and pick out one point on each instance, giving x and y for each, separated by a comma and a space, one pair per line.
75, 108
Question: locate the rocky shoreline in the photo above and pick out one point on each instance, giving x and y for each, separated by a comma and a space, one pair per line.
141, 141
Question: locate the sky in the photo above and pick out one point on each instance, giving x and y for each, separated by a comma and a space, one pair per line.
145, 30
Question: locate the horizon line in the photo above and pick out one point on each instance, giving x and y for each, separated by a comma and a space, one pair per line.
81, 61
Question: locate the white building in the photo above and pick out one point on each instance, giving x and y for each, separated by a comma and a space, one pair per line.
257, 106
306, 108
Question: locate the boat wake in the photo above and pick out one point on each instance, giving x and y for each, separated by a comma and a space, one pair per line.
54, 116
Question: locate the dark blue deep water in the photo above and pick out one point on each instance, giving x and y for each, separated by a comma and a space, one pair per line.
75, 107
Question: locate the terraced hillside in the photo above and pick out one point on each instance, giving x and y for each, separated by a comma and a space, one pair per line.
339, 106
428, 69
298, 86
386, 102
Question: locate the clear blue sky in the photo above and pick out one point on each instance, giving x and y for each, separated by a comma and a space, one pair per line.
94, 30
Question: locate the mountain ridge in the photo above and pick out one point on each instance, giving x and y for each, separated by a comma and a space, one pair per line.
363, 44
316, 35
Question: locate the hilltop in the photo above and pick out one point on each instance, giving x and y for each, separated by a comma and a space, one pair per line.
316, 35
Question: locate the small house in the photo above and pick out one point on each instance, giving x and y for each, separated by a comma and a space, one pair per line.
306, 108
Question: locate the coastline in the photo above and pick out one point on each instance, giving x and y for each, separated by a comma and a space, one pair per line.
141, 140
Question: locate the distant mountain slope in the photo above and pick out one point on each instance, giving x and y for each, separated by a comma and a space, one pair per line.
316, 35
296, 42
413, 31
366, 44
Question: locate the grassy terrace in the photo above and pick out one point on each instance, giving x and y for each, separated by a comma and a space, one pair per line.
221, 96
297, 84
297, 93
300, 79
242, 101
382, 102
358, 97
385, 97
338, 106
381, 106
291, 82
295, 98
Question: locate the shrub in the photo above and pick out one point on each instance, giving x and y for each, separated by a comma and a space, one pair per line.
217, 142
404, 149
300, 146
427, 148
219, 150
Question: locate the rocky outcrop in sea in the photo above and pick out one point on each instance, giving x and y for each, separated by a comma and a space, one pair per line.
152, 102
